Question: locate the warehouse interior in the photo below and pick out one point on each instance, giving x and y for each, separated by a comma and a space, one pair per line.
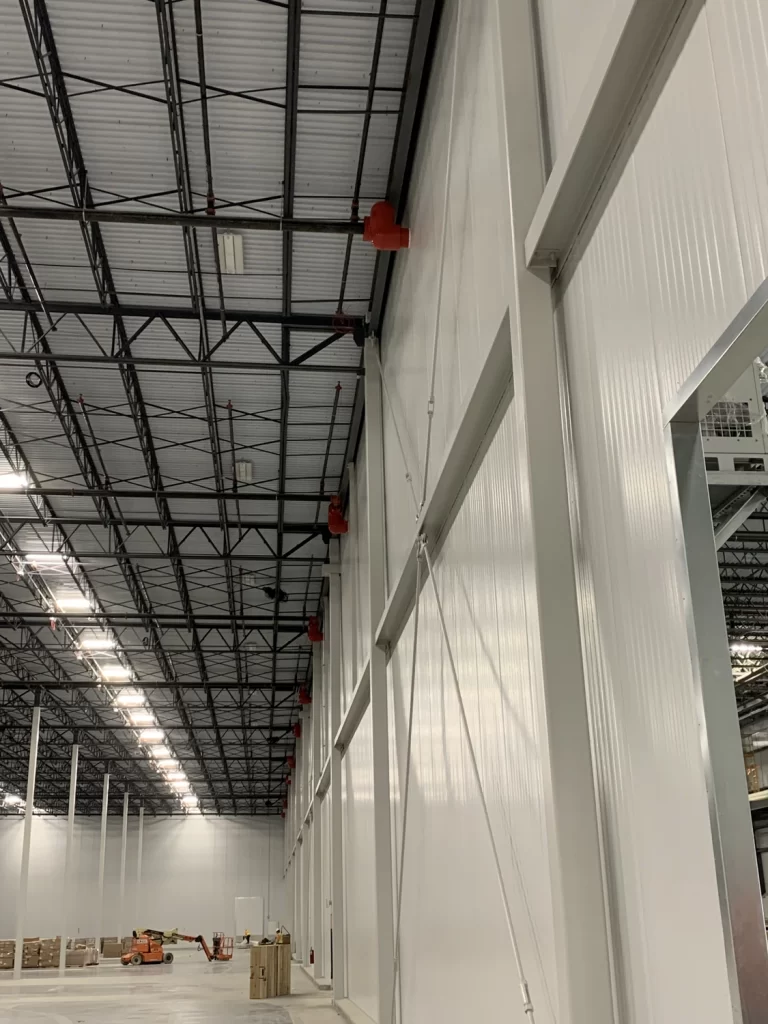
383, 504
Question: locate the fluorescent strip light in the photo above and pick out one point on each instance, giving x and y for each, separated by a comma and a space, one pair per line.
160, 751
98, 643
13, 481
45, 558
151, 736
230, 253
12, 800
130, 698
142, 718
167, 763
190, 800
71, 602
114, 672
181, 786
175, 775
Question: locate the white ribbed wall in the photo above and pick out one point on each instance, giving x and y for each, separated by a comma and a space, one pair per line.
359, 869
674, 256
571, 35
475, 261
192, 869
354, 583
450, 888
483, 574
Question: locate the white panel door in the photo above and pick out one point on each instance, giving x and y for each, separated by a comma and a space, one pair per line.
249, 914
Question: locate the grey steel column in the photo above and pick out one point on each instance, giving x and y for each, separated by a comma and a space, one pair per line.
730, 819
339, 954
139, 858
102, 858
377, 589
21, 901
66, 898
316, 942
123, 852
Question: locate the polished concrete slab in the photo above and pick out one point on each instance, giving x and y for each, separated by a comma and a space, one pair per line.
189, 991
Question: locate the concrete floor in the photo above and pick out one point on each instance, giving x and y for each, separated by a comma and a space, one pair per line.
189, 991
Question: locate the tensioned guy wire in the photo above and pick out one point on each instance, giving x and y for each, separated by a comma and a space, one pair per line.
406, 785
385, 389
527, 1004
441, 265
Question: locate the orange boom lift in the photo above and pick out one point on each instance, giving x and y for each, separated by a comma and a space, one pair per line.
147, 948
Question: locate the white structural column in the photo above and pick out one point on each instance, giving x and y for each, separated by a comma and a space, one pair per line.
317, 847
338, 953
306, 857
102, 858
584, 974
377, 582
733, 842
139, 857
123, 852
66, 900
21, 900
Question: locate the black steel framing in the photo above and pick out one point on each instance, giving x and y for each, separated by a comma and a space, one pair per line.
229, 714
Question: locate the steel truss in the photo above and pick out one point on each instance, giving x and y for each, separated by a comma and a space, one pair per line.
221, 672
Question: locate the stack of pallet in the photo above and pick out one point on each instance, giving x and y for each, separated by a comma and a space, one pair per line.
111, 947
31, 954
7, 953
270, 971
49, 952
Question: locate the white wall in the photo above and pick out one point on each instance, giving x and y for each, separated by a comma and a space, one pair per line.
484, 573
664, 266
193, 868
670, 261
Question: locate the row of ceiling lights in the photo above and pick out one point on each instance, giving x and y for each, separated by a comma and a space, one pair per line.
131, 704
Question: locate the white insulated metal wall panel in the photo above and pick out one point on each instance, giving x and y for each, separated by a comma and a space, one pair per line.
738, 38
359, 893
450, 888
671, 261
571, 34
461, 125
355, 603
325, 825
349, 599
178, 854
688, 231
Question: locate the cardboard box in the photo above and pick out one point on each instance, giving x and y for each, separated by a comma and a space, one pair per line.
111, 950
127, 942
76, 958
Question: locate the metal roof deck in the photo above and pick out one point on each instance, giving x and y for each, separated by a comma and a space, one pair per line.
134, 371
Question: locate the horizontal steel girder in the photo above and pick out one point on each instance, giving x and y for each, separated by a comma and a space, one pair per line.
192, 364
138, 521
173, 495
296, 321
214, 684
143, 218
291, 622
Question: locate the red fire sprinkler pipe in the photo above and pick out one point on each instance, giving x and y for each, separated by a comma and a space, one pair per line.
379, 228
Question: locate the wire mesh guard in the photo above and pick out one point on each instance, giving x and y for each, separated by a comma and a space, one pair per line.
728, 419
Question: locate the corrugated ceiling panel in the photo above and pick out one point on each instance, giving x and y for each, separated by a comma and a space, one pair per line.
58, 256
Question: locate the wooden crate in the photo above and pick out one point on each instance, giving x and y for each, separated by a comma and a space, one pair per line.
270, 971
